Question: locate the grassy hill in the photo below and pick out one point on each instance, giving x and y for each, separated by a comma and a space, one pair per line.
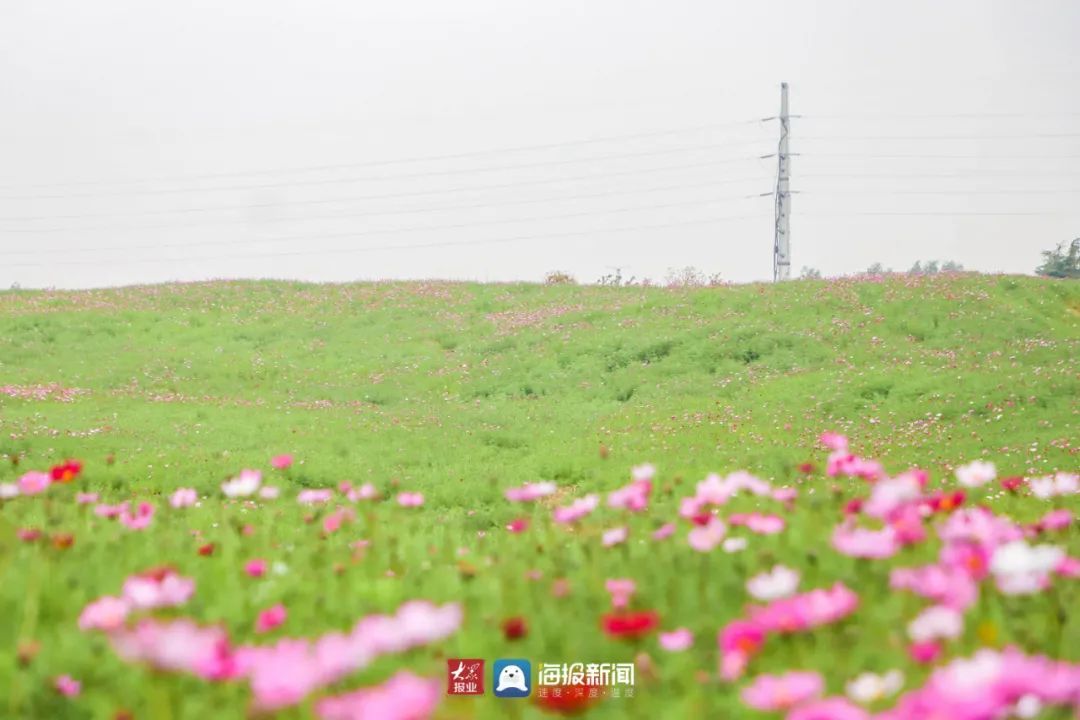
460, 391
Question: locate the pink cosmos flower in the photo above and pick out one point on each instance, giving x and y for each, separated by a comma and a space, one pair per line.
518, 525
67, 686
907, 523
785, 494
946, 584
833, 708
981, 526
925, 653
530, 492
106, 614
614, 536
243, 485
968, 557
86, 498
315, 496
621, 590
864, 543
576, 510
833, 441
759, 523
184, 497
1056, 520
34, 482
706, 537
178, 645
157, 589
281, 462
976, 474
410, 499
739, 640
366, 491
889, 494
777, 583
782, 692
255, 568
633, 497
108, 511
268, 492
333, 521
676, 640
808, 610
936, 622
270, 618
403, 697
664, 531
139, 519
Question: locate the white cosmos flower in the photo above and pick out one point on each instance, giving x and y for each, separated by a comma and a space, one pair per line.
870, 687
976, 473
243, 485
777, 583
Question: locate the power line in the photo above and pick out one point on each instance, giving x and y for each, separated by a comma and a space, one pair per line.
875, 156
935, 116
405, 160
376, 213
1025, 136
937, 213
862, 191
391, 231
424, 174
926, 176
447, 243
388, 196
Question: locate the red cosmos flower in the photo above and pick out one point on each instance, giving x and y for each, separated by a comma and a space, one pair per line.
515, 628
1012, 484
62, 541
65, 471
806, 468
518, 525
206, 550
853, 506
946, 502
630, 624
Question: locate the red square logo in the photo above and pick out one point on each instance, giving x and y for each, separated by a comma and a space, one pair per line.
464, 676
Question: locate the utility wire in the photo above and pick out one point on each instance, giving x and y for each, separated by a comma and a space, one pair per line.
391, 231
405, 160
447, 243
387, 196
376, 213
423, 174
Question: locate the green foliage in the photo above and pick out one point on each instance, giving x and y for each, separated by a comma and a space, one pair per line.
1061, 263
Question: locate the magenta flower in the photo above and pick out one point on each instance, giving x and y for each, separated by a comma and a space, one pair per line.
67, 686
635, 496
664, 531
925, 653
808, 610
157, 589
948, 585
704, 538
621, 589
759, 523
105, 614
270, 618
178, 645
1056, 520
410, 499
518, 525
864, 543
676, 640
576, 510
184, 497
403, 697
282, 462
739, 640
255, 568
782, 692
530, 492
614, 536
833, 708
139, 519
34, 482
315, 496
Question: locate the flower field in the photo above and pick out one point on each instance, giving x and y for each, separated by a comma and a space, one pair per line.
841, 499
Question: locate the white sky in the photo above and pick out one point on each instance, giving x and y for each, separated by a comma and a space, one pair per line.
116, 111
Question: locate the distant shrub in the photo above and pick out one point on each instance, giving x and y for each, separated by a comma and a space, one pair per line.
690, 276
1061, 263
558, 277
809, 273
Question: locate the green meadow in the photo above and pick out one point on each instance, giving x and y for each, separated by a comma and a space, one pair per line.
460, 391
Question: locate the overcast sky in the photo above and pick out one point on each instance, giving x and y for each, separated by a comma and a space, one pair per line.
146, 141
